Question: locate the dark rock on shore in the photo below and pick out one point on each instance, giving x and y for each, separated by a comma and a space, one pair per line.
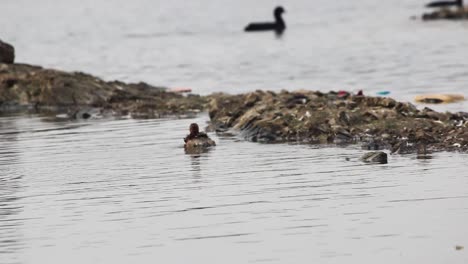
444, 13
32, 88
7, 53
375, 157
315, 117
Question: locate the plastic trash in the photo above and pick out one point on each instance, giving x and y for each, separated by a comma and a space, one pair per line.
439, 98
180, 90
383, 92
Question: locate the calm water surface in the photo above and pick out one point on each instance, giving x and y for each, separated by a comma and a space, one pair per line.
124, 191
120, 191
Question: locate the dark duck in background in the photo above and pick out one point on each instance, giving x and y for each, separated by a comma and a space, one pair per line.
443, 4
278, 26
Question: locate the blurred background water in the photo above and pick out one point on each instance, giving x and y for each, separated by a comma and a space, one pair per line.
359, 44
120, 190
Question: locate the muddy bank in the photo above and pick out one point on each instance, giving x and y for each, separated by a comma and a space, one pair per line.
315, 117
301, 116
33, 88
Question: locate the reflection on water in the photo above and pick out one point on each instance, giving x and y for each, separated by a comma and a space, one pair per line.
10, 186
196, 164
120, 191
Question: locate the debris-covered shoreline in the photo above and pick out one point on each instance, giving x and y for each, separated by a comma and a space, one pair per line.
316, 117
265, 116
33, 88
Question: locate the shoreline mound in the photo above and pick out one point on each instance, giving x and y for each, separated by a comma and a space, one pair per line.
446, 13
326, 118
32, 88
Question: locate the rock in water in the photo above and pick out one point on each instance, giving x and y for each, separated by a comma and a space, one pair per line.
375, 157
7, 53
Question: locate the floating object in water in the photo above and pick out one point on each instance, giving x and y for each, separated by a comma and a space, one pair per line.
85, 113
379, 157
458, 247
180, 90
383, 92
279, 26
437, 4
439, 98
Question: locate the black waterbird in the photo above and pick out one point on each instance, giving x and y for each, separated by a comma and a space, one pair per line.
278, 26
457, 3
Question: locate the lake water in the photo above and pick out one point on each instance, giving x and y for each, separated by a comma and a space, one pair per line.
123, 190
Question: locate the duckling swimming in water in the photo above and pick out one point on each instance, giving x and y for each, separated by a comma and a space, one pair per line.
197, 139
279, 25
